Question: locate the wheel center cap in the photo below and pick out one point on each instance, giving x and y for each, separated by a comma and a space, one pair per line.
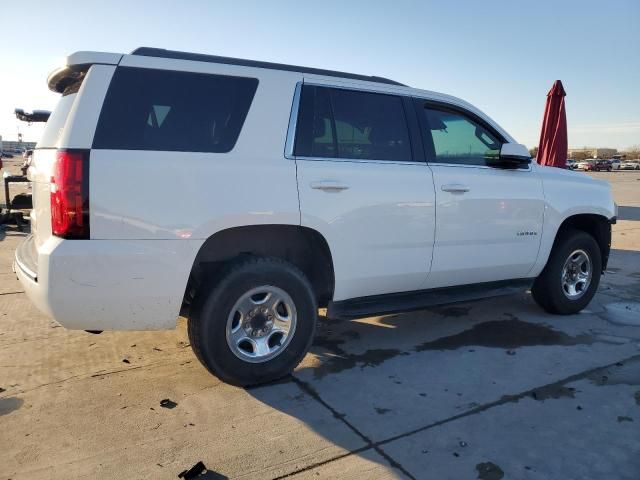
259, 324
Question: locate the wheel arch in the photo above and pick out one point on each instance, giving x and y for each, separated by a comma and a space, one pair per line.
304, 247
598, 226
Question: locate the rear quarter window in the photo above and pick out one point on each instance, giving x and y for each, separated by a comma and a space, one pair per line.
148, 109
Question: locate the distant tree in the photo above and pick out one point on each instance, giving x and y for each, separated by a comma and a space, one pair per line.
633, 152
533, 152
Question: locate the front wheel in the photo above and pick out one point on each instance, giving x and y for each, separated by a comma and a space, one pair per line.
572, 274
255, 323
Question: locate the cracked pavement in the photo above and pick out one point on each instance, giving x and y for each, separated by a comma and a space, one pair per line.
490, 389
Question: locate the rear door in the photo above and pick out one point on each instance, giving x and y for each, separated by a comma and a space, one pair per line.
489, 220
364, 185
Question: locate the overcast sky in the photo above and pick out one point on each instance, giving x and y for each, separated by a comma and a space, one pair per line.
502, 56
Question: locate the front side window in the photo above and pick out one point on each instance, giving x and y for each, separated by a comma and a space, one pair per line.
147, 109
338, 123
458, 139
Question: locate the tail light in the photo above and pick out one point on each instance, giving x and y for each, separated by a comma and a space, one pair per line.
70, 194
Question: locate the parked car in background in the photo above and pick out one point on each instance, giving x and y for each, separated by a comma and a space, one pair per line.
630, 165
299, 188
585, 165
6, 154
602, 165
571, 164
594, 165
615, 164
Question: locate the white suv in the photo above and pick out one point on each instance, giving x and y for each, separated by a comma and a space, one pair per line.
245, 195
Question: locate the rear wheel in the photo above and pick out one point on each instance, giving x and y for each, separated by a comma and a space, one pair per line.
572, 274
255, 323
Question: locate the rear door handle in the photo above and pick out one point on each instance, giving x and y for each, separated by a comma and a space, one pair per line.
329, 186
455, 188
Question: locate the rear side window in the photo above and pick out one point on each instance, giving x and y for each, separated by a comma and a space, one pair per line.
148, 109
338, 123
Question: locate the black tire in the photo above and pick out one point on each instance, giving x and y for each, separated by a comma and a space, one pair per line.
213, 304
548, 290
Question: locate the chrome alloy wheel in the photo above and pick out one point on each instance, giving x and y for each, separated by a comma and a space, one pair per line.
576, 274
261, 324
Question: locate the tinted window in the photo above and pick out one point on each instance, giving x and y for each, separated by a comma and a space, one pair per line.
337, 123
149, 109
459, 139
315, 135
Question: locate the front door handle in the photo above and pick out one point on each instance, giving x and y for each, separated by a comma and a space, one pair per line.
329, 186
455, 188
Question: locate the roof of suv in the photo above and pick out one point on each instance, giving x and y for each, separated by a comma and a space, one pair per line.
199, 57
77, 64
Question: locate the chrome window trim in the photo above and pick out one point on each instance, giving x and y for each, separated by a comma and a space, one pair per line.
293, 124
359, 160
437, 164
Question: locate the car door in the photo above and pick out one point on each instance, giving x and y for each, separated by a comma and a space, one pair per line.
488, 219
364, 185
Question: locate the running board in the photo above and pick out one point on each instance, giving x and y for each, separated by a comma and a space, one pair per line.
416, 300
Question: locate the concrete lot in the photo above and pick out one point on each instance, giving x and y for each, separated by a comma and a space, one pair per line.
491, 389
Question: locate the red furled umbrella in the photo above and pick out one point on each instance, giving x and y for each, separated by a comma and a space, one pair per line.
552, 150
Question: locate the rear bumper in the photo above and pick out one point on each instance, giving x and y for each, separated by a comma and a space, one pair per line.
107, 284
26, 259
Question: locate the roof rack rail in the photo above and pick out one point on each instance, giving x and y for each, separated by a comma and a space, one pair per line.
199, 57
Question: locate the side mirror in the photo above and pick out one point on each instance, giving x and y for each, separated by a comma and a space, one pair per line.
512, 156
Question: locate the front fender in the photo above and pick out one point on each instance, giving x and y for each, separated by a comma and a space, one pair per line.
567, 194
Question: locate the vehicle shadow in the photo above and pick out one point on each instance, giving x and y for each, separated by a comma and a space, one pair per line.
385, 376
376, 371
628, 213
